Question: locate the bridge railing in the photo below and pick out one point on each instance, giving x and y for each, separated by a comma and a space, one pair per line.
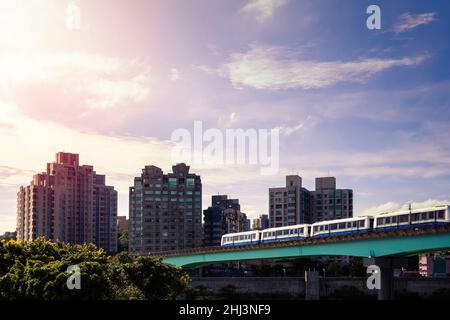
307, 241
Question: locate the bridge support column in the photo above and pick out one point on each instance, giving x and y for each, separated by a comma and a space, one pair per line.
386, 265
312, 285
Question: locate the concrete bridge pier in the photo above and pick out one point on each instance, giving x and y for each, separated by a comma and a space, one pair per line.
386, 277
312, 285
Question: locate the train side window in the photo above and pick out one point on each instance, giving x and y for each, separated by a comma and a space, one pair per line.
326, 227
388, 220
403, 218
354, 225
394, 219
302, 230
362, 223
441, 214
424, 216
349, 224
342, 225
380, 221
431, 215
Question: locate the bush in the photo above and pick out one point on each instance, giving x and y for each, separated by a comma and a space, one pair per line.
38, 270
350, 293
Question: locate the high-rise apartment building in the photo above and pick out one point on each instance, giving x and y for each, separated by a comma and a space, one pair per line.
294, 204
70, 203
261, 223
223, 216
165, 210
331, 203
289, 205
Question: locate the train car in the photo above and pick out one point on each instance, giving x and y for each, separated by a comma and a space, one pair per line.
295, 232
241, 238
412, 218
342, 226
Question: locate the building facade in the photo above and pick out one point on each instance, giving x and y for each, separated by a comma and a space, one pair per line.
294, 204
70, 203
223, 216
122, 224
331, 203
261, 223
165, 210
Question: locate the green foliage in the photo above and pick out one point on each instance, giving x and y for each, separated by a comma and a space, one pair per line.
350, 293
140, 277
357, 268
38, 270
122, 241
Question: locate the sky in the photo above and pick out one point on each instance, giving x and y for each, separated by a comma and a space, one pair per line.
370, 107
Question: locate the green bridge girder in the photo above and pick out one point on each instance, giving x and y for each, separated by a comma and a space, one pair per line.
380, 247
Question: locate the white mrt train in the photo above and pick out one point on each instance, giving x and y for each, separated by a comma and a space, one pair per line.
416, 218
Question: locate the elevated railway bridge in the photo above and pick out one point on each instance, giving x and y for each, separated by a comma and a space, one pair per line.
384, 249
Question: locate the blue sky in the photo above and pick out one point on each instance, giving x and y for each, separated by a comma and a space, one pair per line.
370, 107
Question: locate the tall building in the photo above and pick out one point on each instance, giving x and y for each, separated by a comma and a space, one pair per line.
70, 203
223, 216
122, 224
331, 203
165, 210
289, 205
294, 204
261, 223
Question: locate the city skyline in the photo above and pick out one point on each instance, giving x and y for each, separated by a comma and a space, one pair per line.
374, 113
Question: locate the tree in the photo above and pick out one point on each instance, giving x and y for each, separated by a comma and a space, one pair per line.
122, 241
38, 270
140, 277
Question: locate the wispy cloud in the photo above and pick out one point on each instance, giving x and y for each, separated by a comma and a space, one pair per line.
408, 21
262, 10
278, 68
84, 80
308, 123
174, 74
394, 206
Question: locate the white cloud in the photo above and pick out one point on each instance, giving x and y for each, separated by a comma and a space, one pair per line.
277, 68
308, 123
84, 80
262, 10
394, 206
408, 21
174, 74
229, 121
